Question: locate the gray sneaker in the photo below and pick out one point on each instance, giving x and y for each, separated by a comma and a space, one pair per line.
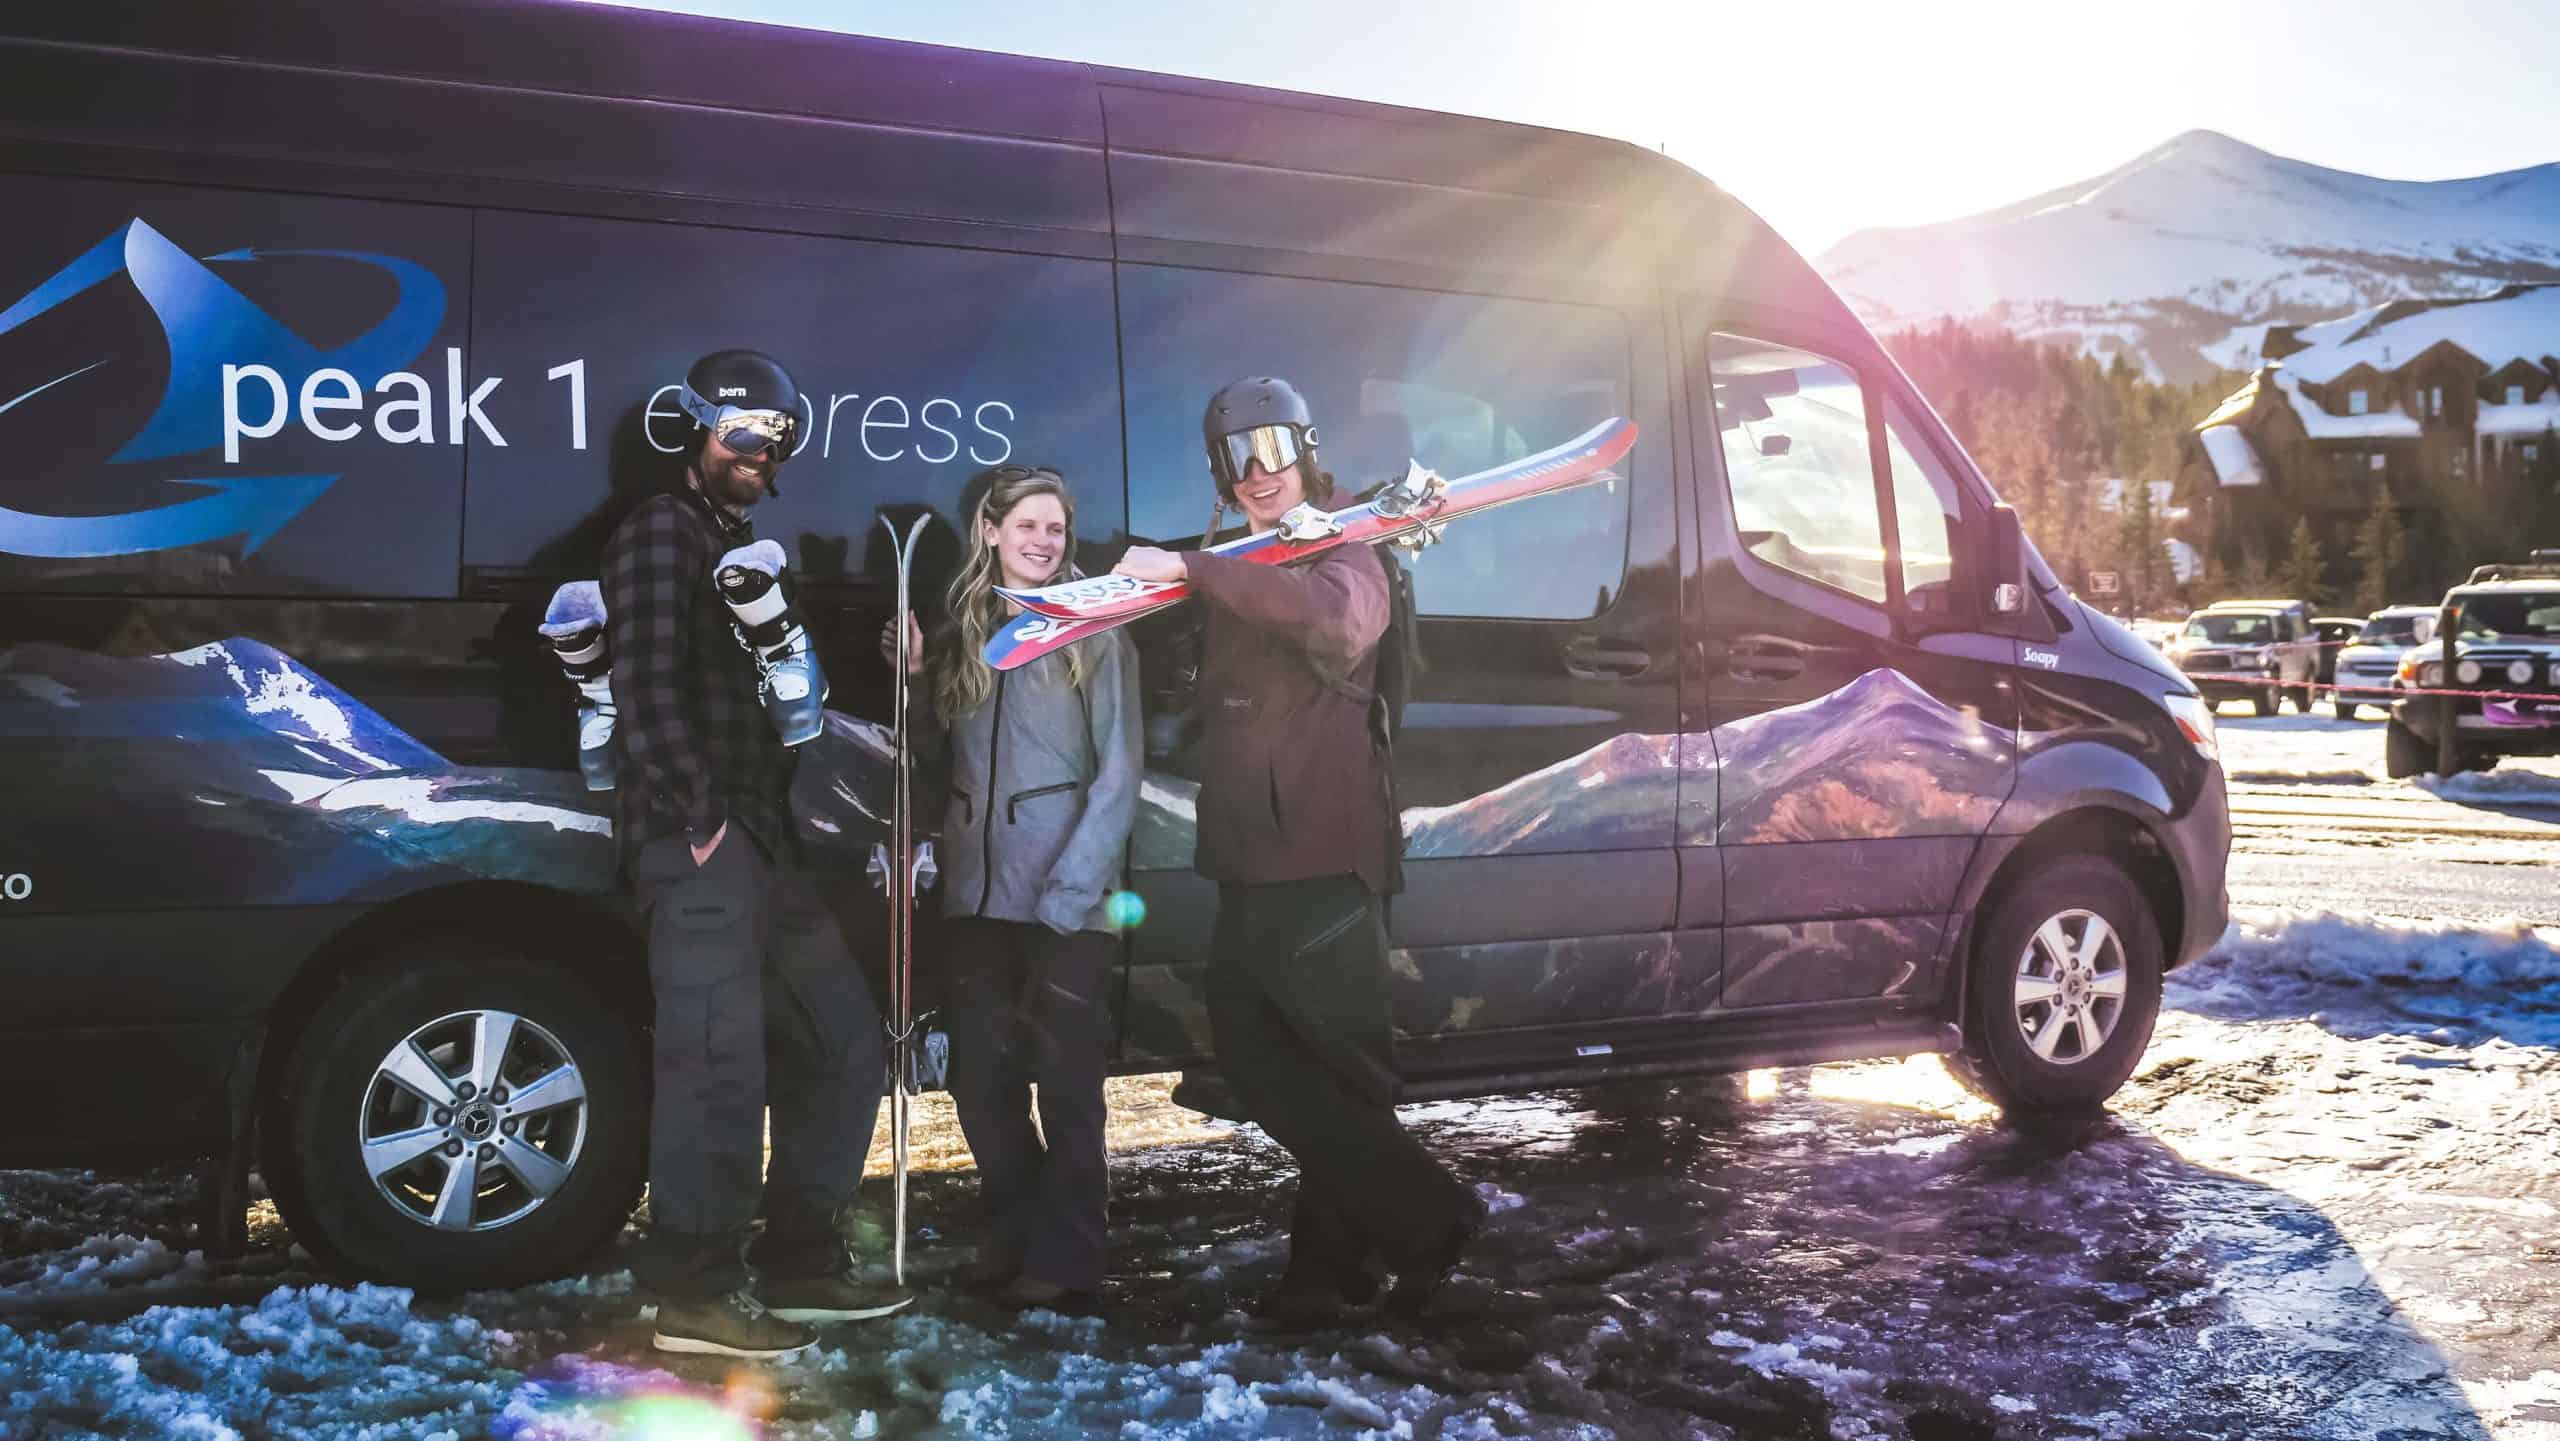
736, 1324
822, 1300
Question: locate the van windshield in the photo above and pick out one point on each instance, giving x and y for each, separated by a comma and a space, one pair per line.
2232, 629
2530, 615
2394, 630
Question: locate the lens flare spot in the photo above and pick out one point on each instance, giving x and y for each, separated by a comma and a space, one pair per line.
682, 1418
1125, 910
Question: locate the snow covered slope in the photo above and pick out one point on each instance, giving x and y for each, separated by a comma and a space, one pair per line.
2184, 254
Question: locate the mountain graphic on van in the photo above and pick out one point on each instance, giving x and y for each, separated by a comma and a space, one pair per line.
1879, 756
207, 324
234, 774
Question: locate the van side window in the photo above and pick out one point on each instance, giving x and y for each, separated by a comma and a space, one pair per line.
1796, 462
1458, 382
1927, 517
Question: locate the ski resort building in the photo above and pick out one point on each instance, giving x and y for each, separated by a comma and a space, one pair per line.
2444, 404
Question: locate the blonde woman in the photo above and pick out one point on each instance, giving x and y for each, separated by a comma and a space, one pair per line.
1044, 765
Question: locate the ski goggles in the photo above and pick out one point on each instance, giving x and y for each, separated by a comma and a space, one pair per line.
748, 432
1273, 447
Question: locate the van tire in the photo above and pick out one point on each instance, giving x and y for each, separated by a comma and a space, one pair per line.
1997, 1061
2403, 754
314, 1162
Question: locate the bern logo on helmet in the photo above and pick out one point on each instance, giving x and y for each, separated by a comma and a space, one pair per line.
731, 392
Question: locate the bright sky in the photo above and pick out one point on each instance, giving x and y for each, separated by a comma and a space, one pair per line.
1827, 119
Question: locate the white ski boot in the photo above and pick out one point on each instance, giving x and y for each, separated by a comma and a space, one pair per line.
575, 627
793, 687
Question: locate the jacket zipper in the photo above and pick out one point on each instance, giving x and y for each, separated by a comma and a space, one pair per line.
987, 828
1013, 803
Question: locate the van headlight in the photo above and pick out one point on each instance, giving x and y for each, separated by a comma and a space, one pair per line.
2195, 721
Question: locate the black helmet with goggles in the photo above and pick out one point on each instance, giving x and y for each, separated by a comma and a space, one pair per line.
747, 401
1261, 421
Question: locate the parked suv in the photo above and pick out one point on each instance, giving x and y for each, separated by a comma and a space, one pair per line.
2259, 651
1781, 746
2371, 657
2505, 646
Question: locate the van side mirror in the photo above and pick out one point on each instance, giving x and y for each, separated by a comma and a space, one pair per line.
1776, 445
2007, 569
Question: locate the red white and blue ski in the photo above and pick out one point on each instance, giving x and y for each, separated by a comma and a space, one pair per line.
1060, 615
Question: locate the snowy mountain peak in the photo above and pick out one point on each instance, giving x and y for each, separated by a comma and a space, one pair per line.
2182, 255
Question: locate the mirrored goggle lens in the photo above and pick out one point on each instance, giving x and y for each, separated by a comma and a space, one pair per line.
752, 432
1273, 447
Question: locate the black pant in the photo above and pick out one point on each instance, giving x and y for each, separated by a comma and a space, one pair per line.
1027, 1007
759, 1004
1298, 1008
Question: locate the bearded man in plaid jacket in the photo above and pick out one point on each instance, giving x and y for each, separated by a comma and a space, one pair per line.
759, 1003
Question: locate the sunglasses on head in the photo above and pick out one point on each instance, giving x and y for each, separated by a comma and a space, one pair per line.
751, 433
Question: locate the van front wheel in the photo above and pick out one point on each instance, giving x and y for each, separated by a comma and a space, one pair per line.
458, 1117
2064, 991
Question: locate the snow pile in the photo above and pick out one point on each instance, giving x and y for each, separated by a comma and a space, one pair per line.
316, 1361
98, 1263
2513, 787
2364, 977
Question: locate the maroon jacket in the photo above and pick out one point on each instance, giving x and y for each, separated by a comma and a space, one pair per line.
1292, 784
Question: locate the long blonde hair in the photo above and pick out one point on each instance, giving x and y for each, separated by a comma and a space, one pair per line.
958, 670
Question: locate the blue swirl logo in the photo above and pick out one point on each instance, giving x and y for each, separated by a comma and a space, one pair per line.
208, 325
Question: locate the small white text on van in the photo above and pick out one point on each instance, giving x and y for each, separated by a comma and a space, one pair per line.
2048, 659
17, 886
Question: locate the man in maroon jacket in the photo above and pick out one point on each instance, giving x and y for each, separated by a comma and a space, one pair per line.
1295, 826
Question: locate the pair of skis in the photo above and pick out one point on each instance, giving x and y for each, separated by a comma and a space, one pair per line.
901, 868
1409, 511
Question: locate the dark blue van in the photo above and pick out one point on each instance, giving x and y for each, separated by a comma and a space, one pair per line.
333, 338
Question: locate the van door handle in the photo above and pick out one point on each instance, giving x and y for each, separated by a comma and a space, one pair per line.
1764, 661
1591, 658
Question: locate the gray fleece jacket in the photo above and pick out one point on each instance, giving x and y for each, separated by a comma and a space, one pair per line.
1044, 788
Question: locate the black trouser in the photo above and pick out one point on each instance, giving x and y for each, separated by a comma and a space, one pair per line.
1027, 1007
759, 1004
1298, 1008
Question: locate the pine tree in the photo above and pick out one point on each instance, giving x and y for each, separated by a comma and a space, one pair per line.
2303, 564
2380, 546
2138, 544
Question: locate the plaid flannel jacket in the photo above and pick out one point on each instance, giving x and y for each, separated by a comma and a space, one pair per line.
697, 748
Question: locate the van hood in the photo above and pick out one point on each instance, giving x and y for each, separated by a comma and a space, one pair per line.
2120, 641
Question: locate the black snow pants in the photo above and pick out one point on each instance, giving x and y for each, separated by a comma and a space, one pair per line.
759, 1004
1298, 1010
1027, 1008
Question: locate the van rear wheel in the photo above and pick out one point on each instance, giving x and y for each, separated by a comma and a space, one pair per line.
2064, 990
458, 1117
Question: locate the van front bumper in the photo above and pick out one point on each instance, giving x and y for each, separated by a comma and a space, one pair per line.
2198, 844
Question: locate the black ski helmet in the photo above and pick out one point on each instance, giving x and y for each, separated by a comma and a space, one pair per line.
747, 379
1244, 404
